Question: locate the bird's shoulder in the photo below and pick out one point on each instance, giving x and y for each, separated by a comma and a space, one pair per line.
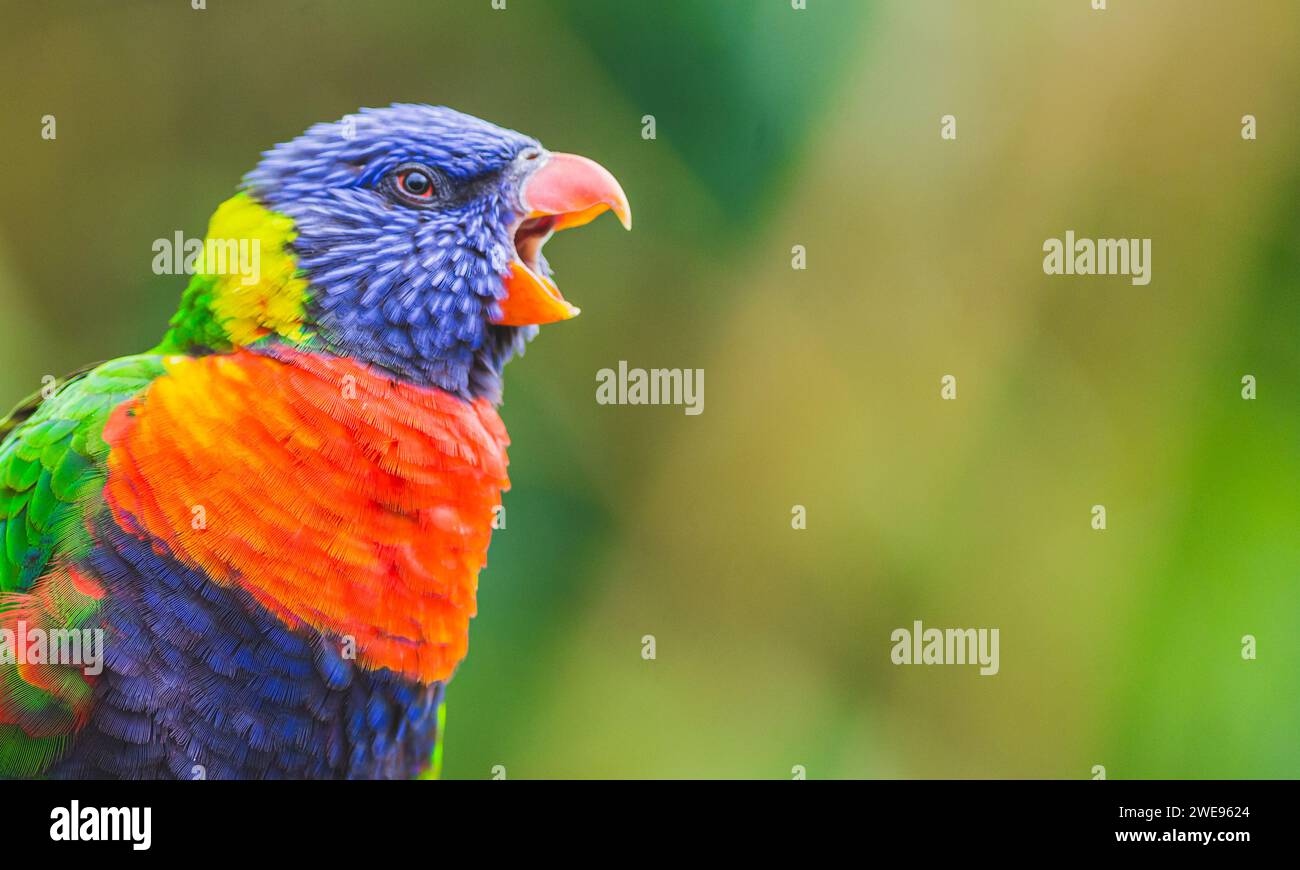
52, 471
52, 455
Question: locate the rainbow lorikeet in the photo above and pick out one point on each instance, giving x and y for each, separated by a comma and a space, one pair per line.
275, 519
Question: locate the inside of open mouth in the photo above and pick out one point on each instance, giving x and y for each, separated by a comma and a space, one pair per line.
530, 237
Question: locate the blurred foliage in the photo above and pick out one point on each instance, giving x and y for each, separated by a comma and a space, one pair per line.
779, 127
734, 85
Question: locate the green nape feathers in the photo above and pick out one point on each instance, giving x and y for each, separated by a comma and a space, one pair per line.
246, 284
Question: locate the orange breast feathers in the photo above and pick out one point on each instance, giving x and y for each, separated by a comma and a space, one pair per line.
338, 498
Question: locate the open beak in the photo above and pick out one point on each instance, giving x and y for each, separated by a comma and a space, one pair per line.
567, 191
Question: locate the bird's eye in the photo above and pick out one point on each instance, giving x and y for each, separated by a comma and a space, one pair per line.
415, 184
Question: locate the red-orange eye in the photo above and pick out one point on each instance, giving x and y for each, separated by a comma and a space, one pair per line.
415, 183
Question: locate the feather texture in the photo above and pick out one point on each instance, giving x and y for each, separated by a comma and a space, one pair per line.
277, 518
340, 499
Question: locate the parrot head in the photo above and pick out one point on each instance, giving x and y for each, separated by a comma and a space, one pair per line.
412, 239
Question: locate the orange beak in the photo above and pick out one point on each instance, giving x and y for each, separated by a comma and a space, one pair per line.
567, 191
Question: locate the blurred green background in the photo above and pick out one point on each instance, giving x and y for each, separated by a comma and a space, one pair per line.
779, 127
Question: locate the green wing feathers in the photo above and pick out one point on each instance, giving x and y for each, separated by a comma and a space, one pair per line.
52, 468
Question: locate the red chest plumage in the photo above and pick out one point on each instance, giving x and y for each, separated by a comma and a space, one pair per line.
337, 497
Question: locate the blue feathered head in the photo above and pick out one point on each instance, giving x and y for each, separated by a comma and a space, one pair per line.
420, 229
